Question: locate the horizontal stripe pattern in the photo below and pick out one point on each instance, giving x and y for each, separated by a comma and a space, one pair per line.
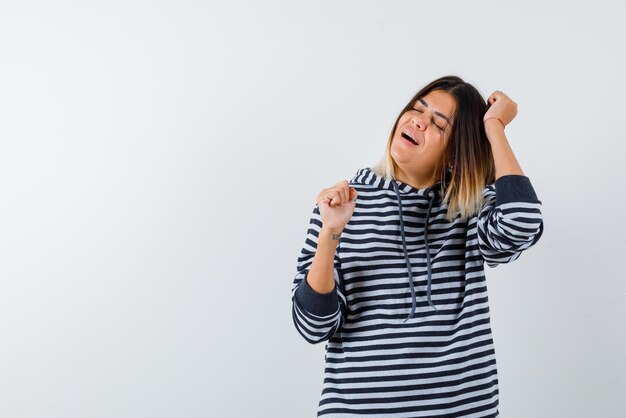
438, 363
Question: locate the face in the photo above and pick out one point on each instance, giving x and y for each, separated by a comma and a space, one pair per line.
428, 124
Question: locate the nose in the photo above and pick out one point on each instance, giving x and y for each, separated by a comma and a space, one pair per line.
419, 121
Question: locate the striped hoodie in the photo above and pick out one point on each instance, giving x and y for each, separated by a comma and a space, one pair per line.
407, 326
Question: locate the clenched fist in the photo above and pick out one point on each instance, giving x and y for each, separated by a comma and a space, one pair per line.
336, 205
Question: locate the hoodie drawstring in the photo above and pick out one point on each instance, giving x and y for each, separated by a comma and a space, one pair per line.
406, 253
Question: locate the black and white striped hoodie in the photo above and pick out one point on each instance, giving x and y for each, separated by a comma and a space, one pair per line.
407, 326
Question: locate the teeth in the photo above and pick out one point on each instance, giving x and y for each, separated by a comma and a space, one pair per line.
405, 135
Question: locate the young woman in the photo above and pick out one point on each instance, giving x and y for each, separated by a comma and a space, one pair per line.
391, 274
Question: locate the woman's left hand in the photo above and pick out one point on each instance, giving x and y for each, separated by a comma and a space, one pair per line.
500, 106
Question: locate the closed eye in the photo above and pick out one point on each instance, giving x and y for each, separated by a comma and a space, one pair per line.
440, 128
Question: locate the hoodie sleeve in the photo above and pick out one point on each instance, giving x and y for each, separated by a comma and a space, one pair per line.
316, 316
510, 220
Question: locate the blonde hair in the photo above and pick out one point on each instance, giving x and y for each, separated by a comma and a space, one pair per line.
468, 151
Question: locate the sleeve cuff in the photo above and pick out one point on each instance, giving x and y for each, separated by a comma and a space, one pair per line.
515, 188
321, 304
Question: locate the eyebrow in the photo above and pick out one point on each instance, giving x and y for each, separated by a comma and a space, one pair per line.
422, 101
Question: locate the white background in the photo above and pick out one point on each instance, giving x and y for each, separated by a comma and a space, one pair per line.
159, 162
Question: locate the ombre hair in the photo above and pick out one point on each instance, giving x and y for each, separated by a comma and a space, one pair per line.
467, 163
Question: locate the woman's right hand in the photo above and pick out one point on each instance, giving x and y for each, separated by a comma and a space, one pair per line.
336, 205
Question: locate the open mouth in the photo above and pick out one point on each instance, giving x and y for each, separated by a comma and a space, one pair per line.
408, 138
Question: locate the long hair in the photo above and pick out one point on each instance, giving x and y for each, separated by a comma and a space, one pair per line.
467, 163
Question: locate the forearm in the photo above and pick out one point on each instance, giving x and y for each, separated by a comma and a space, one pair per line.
503, 156
321, 273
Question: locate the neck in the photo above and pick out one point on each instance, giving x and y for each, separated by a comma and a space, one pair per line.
418, 182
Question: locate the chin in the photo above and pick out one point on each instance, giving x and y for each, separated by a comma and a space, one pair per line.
401, 154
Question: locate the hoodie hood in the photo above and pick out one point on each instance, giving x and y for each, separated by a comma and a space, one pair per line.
432, 194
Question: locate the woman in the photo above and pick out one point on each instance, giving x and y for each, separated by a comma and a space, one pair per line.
391, 274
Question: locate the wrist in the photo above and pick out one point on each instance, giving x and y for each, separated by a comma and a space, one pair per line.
494, 129
494, 123
331, 233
